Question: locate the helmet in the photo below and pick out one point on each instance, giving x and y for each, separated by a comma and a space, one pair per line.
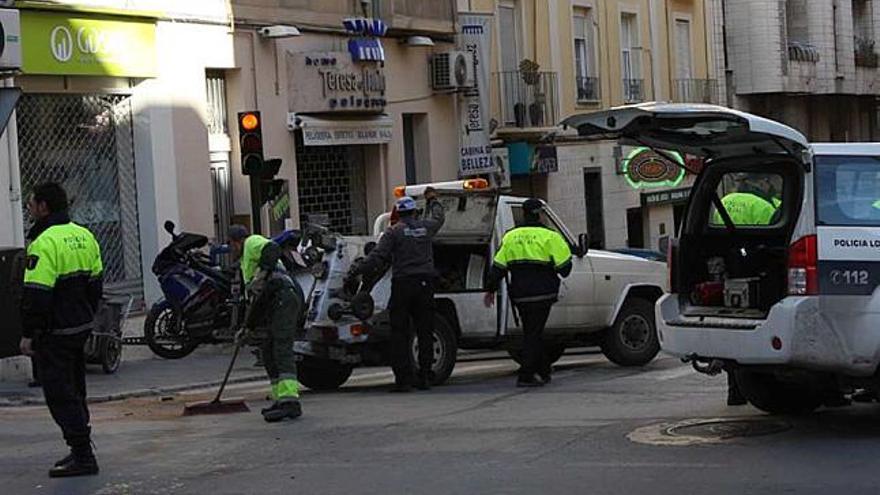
405, 203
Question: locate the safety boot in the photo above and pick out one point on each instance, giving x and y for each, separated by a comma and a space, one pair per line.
288, 409
64, 460
82, 462
528, 382
274, 406
423, 382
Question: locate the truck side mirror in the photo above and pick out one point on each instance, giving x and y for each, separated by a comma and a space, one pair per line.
583, 246
663, 245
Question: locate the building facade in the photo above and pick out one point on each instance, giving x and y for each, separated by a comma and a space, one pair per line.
812, 64
556, 58
132, 105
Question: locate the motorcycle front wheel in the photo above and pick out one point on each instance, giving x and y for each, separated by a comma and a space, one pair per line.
165, 334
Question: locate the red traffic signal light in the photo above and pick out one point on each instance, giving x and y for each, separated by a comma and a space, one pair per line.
250, 132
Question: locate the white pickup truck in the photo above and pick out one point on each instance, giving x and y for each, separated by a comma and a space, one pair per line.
608, 299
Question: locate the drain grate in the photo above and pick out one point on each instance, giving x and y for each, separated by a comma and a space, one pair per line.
703, 431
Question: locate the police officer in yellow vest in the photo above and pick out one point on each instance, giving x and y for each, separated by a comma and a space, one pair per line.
277, 304
536, 258
62, 290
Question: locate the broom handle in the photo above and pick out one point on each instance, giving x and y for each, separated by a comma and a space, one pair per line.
228, 371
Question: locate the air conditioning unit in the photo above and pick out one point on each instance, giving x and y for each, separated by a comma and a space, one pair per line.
453, 70
10, 40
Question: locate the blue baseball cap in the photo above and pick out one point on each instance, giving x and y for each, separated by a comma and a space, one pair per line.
405, 203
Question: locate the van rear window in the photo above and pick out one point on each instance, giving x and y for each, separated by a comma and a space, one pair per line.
848, 190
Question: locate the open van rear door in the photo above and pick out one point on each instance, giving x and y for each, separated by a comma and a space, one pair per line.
708, 131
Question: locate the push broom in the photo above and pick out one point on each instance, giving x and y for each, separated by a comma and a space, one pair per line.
218, 405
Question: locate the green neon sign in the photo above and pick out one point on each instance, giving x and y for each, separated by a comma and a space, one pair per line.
643, 168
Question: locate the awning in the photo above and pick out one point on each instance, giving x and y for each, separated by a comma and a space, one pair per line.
340, 131
365, 26
366, 50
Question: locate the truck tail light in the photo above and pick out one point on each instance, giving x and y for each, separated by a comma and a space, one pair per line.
803, 261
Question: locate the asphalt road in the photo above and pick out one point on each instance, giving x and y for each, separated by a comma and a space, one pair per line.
597, 429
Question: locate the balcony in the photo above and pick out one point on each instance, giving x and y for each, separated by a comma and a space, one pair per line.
633, 90
528, 99
589, 89
865, 54
695, 91
799, 51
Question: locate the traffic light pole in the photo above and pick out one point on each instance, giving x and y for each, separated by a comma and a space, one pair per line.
256, 205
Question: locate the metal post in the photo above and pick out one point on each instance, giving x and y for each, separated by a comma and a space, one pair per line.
256, 205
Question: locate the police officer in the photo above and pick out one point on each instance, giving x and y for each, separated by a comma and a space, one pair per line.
407, 246
277, 303
536, 258
62, 290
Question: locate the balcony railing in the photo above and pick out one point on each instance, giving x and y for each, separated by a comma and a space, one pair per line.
803, 52
588, 89
633, 90
865, 54
695, 91
528, 99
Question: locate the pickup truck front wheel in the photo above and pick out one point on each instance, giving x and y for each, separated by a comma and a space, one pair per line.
632, 340
445, 350
322, 374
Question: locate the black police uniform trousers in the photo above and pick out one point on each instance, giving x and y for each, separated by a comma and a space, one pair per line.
62, 363
412, 301
534, 319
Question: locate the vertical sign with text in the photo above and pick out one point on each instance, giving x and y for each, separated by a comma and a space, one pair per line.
475, 149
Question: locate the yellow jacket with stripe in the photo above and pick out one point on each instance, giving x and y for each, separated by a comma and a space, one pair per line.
535, 257
63, 279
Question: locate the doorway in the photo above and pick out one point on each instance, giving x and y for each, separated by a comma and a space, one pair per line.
594, 206
635, 228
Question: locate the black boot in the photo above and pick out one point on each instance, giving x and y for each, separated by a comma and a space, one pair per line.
65, 460
287, 409
274, 406
528, 381
424, 381
82, 463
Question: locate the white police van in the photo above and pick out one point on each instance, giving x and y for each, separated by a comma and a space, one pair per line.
785, 298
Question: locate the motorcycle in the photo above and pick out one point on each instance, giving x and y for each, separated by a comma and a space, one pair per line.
202, 303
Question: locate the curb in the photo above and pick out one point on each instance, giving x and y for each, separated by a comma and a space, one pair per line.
133, 394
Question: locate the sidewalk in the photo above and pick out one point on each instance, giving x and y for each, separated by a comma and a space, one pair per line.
143, 374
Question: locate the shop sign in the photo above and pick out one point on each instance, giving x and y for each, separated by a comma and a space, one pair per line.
667, 197
545, 160
345, 136
501, 172
645, 168
341, 131
60, 44
475, 153
323, 82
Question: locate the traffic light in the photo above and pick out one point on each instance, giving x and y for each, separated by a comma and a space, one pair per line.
250, 132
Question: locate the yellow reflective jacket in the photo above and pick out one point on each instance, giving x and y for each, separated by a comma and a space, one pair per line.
535, 256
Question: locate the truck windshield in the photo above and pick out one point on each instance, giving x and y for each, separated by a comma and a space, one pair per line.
848, 190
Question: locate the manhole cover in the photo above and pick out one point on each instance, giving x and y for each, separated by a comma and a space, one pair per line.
703, 431
724, 429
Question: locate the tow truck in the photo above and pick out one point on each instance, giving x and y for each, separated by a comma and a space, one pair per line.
608, 300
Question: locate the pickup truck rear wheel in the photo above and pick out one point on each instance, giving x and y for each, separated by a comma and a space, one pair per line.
445, 350
322, 374
632, 340
770, 394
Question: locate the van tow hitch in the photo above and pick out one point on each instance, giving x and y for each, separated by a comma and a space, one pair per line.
703, 365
